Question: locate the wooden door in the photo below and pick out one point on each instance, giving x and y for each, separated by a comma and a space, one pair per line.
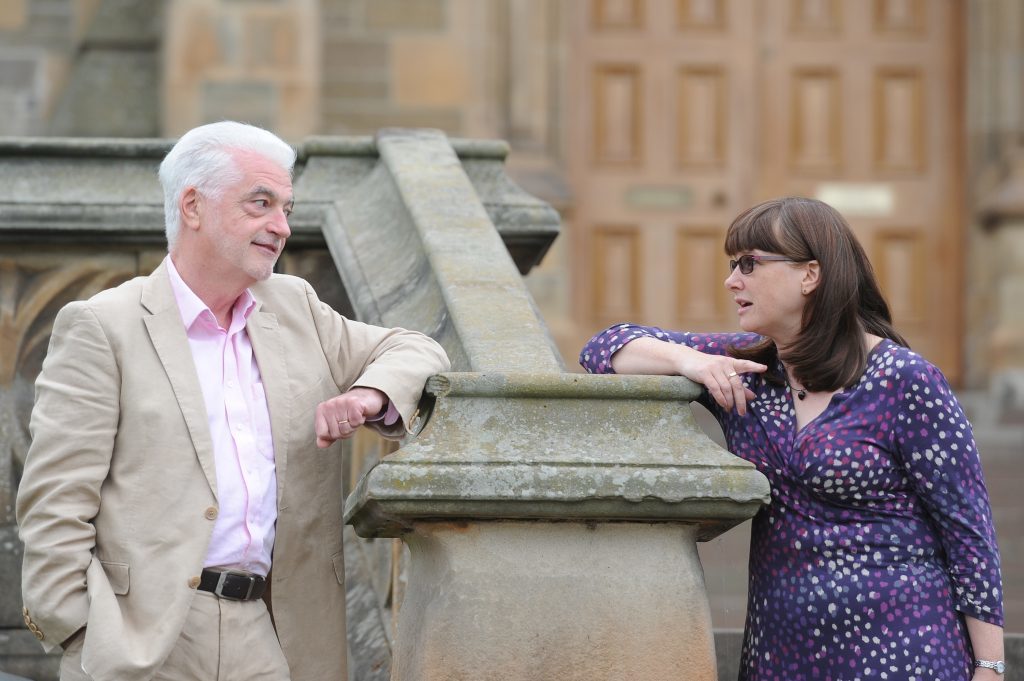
660, 123
682, 113
861, 107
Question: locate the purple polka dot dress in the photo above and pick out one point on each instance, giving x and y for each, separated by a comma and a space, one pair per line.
878, 538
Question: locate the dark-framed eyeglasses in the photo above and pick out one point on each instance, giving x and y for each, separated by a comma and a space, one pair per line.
746, 262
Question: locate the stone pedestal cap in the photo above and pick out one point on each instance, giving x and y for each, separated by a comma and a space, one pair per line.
558, 447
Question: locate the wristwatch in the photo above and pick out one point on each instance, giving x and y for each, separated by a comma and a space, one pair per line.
998, 666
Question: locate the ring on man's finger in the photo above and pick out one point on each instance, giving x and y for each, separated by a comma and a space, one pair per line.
732, 374
342, 421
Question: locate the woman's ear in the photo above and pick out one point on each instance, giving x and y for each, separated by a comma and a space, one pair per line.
191, 208
812, 277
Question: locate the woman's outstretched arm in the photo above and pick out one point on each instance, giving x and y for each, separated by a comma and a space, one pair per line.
631, 349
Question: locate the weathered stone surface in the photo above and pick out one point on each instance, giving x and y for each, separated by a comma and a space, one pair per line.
415, 209
514, 449
369, 639
567, 601
253, 102
10, 577
72, 185
131, 23
104, 73
485, 299
21, 655
559, 446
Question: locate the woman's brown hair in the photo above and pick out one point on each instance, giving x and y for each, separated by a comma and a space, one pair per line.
829, 351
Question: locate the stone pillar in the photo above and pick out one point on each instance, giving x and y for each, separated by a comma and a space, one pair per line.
1003, 211
552, 522
551, 518
554, 600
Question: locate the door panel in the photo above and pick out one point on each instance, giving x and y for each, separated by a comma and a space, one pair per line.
682, 113
873, 114
675, 179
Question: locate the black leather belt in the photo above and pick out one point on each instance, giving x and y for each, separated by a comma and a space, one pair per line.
233, 585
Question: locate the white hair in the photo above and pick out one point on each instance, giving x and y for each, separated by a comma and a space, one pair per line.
203, 159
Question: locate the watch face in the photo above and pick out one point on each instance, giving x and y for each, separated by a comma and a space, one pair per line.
1000, 667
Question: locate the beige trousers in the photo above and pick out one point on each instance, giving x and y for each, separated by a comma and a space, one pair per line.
222, 640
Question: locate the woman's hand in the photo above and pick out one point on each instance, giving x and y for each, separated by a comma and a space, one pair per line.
721, 375
718, 373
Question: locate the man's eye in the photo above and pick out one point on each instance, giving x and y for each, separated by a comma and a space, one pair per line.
262, 203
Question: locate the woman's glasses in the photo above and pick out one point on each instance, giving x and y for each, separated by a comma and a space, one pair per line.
746, 262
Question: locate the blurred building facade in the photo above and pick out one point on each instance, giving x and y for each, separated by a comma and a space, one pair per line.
649, 124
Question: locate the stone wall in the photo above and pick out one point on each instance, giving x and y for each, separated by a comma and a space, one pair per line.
257, 62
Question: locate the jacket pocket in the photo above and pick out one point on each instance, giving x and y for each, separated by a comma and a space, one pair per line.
117, 574
339, 566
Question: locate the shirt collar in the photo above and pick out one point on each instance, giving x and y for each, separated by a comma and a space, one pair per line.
192, 308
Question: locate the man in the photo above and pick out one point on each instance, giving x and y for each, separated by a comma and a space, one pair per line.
182, 443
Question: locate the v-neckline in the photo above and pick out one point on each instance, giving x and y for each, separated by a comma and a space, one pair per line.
796, 430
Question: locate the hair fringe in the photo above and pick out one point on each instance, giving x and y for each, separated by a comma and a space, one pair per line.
829, 352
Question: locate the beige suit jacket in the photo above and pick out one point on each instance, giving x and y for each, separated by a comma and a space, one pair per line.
119, 485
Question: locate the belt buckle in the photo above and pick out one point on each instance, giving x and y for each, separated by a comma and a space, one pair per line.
222, 580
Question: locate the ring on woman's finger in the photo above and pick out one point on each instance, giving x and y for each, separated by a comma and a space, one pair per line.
732, 374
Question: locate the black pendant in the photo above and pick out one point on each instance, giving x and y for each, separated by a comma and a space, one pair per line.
801, 394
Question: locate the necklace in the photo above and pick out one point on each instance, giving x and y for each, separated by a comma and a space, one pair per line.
801, 393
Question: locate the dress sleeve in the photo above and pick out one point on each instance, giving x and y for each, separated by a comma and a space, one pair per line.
938, 451
596, 356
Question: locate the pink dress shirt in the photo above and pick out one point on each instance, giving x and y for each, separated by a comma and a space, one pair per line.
236, 408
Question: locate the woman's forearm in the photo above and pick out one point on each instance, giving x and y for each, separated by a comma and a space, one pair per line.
649, 356
718, 373
987, 642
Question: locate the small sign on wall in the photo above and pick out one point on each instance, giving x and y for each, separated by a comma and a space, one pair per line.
858, 199
659, 197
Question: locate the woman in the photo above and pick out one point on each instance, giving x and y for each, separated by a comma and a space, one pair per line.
876, 558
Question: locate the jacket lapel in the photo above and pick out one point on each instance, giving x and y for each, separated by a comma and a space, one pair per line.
167, 333
268, 347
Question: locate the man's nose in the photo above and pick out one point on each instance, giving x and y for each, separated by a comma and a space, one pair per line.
279, 225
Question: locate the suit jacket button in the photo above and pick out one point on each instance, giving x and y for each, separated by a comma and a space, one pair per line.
193, 583
211, 513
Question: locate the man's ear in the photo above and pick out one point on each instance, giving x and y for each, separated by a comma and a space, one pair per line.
191, 206
812, 277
